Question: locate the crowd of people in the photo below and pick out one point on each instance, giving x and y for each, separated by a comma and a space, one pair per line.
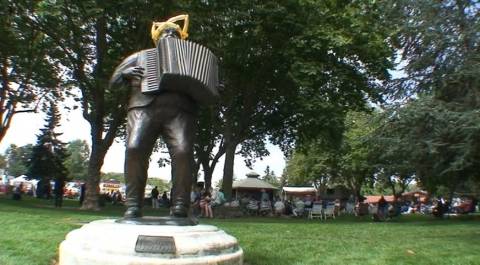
204, 203
159, 201
380, 210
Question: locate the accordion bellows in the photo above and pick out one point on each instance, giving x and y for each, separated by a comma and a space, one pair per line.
180, 66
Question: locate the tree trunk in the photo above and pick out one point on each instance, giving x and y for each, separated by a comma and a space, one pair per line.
208, 164
228, 169
207, 176
92, 191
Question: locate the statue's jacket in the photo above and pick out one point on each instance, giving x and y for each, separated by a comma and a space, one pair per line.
137, 99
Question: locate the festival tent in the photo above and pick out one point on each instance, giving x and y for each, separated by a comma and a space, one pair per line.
27, 184
252, 186
24, 180
298, 192
376, 198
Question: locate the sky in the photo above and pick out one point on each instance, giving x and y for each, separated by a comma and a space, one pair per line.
26, 126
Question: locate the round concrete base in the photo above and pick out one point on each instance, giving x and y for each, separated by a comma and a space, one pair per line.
108, 242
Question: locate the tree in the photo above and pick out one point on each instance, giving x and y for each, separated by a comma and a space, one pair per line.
18, 159
392, 152
49, 153
270, 177
434, 141
275, 57
160, 183
291, 69
28, 73
349, 163
89, 38
77, 161
3, 162
439, 45
113, 175
311, 165
355, 164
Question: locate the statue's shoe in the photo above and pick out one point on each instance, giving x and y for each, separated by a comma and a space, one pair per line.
132, 212
179, 210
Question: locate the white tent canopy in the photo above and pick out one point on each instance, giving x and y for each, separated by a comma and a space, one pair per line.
299, 189
22, 179
252, 183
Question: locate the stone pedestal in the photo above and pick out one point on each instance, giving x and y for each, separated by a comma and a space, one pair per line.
107, 242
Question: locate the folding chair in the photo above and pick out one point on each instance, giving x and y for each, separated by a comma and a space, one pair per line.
329, 212
316, 212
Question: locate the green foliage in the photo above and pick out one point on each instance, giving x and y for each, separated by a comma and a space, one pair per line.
49, 153
88, 39
348, 164
439, 42
355, 160
340, 50
438, 141
435, 132
18, 158
77, 161
291, 70
113, 175
3, 161
28, 74
270, 177
309, 166
161, 184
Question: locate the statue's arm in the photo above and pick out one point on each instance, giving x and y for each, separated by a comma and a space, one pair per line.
126, 70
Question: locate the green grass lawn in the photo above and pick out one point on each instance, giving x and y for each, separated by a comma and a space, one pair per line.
31, 231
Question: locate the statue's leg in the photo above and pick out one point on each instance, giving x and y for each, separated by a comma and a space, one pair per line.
179, 134
141, 136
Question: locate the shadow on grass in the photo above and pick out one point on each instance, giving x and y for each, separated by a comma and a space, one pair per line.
416, 220
69, 207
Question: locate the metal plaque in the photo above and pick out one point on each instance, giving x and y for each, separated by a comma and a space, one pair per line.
155, 244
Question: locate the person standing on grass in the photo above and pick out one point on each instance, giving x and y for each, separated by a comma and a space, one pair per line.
279, 207
58, 192
382, 207
155, 194
264, 196
17, 192
82, 193
165, 200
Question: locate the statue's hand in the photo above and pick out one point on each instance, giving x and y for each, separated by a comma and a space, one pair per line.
134, 72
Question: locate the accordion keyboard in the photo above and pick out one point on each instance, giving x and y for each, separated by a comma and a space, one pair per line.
151, 81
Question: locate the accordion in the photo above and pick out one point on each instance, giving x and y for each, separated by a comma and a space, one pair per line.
180, 66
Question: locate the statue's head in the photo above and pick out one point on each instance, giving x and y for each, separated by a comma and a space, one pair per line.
170, 29
170, 33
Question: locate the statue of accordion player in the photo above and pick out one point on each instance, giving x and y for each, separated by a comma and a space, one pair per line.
167, 84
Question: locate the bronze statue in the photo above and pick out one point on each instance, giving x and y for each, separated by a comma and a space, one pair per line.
167, 84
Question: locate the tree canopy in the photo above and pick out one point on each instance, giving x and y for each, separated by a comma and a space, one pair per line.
18, 158
28, 74
300, 74
77, 161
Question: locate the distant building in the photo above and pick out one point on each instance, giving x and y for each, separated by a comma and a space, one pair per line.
252, 187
